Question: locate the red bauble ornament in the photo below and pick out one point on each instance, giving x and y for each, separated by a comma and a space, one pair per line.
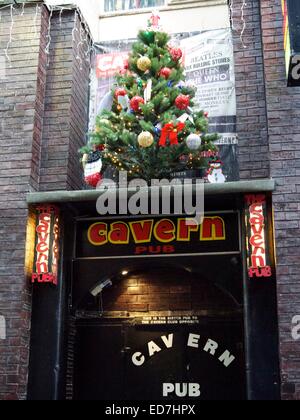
136, 102
182, 102
125, 70
101, 147
165, 72
206, 114
93, 180
120, 92
176, 54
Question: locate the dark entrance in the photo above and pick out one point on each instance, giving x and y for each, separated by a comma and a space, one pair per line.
188, 344
105, 370
108, 287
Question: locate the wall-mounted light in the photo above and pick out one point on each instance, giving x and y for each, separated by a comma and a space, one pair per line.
124, 273
46, 257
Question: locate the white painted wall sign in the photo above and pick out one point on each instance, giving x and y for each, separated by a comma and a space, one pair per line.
211, 347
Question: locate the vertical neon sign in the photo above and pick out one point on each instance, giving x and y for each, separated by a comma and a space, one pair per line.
45, 269
256, 238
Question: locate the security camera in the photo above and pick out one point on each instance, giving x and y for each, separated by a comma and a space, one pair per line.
100, 287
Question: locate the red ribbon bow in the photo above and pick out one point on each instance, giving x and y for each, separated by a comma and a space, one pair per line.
170, 131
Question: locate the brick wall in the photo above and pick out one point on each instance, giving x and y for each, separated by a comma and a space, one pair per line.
21, 111
43, 111
164, 290
66, 106
284, 141
269, 131
251, 104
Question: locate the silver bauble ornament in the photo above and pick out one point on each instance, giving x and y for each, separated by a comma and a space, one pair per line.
193, 141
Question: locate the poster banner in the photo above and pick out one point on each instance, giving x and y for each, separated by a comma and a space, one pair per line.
210, 66
209, 63
110, 59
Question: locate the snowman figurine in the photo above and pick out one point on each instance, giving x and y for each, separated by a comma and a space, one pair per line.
215, 173
92, 169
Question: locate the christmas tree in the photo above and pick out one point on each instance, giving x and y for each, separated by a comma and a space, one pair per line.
151, 130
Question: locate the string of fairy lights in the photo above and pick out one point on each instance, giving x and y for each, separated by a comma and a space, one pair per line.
37, 10
47, 49
232, 8
82, 41
85, 38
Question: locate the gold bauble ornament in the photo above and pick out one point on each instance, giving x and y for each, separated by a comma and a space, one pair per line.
144, 63
145, 139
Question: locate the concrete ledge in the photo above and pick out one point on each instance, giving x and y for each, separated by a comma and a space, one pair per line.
240, 187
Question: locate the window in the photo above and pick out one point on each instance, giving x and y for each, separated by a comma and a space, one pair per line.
118, 5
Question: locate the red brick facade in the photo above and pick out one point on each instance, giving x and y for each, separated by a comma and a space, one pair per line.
43, 113
284, 145
44, 109
163, 291
66, 106
22, 107
251, 100
268, 125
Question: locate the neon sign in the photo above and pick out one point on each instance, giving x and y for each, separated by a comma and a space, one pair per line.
45, 268
257, 258
164, 231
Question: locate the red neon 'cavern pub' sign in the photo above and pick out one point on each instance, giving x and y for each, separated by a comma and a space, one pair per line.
257, 252
45, 269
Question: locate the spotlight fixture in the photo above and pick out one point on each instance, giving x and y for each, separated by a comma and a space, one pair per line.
100, 287
124, 273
